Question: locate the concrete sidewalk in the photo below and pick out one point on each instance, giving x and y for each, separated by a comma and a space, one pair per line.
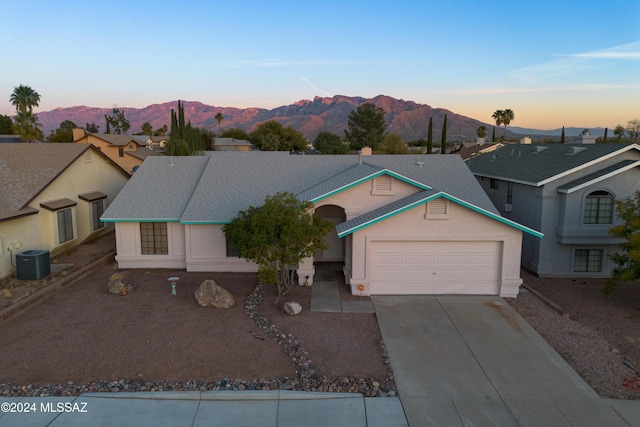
195, 409
472, 360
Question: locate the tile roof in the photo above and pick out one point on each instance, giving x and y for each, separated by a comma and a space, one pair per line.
142, 153
214, 187
116, 139
540, 163
27, 169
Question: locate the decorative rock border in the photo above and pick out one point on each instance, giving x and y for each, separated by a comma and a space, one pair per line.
305, 374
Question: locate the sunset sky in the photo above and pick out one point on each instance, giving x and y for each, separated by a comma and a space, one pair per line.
553, 63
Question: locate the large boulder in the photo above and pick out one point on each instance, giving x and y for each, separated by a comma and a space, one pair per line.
210, 294
292, 308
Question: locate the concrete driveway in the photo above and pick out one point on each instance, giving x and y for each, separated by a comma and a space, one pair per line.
473, 361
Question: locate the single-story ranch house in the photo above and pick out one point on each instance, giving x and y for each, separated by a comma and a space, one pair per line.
412, 224
52, 197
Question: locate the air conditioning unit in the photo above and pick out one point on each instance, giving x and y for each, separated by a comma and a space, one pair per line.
33, 265
507, 207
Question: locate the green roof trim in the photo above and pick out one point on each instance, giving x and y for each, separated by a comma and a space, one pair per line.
428, 198
368, 178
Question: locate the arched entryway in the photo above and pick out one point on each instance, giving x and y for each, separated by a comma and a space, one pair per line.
335, 246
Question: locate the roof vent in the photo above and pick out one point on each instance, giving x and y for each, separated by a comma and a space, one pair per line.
539, 149
575, 150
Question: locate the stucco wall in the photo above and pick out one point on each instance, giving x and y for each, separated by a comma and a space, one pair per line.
462, 224
40, 231
129, 250
127, 162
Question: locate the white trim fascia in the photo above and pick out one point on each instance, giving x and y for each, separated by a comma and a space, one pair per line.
600, 178
591, 163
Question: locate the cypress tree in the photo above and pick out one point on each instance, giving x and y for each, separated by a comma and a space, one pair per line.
493, 135
185, 140
430, 137
606, 130
562, 136
443, 150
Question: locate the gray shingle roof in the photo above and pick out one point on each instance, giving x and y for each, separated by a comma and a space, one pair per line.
539, 163
160, 190
27, 169
213, 188
620, 166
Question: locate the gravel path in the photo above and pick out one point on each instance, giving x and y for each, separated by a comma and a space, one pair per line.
598, 343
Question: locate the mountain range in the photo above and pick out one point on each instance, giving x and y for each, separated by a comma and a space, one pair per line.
310, 117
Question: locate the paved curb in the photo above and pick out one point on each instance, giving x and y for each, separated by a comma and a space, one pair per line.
32, 300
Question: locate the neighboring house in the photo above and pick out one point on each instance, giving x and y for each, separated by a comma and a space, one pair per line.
232, 144
125, 150
52, 197
568, 192
10, 139
404, 223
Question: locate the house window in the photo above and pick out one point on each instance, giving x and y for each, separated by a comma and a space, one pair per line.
493, 183
598, 208
153, 238
587, 261
65, 225
120, 152
232, 251
130, 146
97, 209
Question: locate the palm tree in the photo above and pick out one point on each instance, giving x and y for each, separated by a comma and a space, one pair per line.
219, 118
24, 99
507, 117
497, 116
27, 126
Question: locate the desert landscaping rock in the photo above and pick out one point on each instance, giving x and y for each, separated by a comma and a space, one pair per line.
116, 285
292, 308
210, 294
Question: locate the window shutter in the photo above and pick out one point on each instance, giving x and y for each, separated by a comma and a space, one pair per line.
383, 183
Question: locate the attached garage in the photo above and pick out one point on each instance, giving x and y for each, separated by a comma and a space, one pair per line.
436, 267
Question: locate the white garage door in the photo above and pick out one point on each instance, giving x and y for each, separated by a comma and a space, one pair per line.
417, 267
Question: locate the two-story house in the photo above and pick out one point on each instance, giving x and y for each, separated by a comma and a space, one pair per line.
125, 150
566, 191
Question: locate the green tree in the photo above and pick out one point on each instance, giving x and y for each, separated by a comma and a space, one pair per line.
236, 133
627, 261
272, 136
497, 116
443, 150
393, 144
162, 131
5, 125
146, 129
430, 137
507, 117
618, 132
64, 133
117, 121
277, 236
27, 126
330, 143
219, 118
92, 127
633, 130
24, 99
185, 140
366, 127
481, 132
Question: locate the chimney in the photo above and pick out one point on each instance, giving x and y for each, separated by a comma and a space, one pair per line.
366, 151
78, 133
586, 138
